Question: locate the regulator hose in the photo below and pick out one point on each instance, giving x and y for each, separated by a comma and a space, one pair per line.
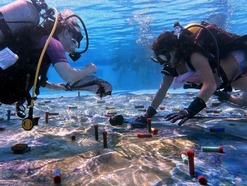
40, 61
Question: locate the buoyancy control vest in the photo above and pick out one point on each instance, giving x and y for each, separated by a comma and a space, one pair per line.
211, 41
201, 41
17, 80
19, 31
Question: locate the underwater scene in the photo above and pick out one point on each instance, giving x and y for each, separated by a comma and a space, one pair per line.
73, 141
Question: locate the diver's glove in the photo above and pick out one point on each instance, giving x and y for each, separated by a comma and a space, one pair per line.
195, 107
222, 95
149, 114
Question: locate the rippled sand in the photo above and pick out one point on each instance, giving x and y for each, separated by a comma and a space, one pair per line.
127, 160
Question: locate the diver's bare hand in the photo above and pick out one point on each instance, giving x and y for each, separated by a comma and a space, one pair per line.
92, 69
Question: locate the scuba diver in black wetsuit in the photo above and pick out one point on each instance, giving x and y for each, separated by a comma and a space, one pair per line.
24, 35
202, 54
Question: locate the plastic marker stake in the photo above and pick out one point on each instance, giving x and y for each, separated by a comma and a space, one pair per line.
216, 130
162, 107
209, 110
47, 114
41, 103
109, 115
149, 125
144, 135
8, 114
46, 117
212, 149
184, 157
101, 101
139, 106
176, 108
155, 131
202, 180
217, 111
72, 137
190, 94
53, 113
136, 124
96, 132
72, 107
2, 128
215, 104
190, 154
110, 107
20, 148
213, 110
105, 139
112, 112
57, 176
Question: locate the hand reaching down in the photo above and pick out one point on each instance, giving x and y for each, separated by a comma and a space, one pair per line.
182, 115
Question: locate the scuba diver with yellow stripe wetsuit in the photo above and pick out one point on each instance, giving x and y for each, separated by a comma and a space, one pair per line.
26, 38
203, 54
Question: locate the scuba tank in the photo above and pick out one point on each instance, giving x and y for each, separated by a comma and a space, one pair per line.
17, 16
193, 27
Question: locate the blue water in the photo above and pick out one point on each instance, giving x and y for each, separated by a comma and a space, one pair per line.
122, 31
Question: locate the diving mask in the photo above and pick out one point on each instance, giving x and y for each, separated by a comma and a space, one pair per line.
77, 36
76, 33
163, 59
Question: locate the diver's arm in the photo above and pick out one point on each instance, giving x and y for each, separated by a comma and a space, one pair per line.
53, 86
161, 93
203, 69
70, 75
158, 98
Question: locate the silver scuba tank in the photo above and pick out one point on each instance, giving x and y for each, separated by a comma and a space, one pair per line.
19, 15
